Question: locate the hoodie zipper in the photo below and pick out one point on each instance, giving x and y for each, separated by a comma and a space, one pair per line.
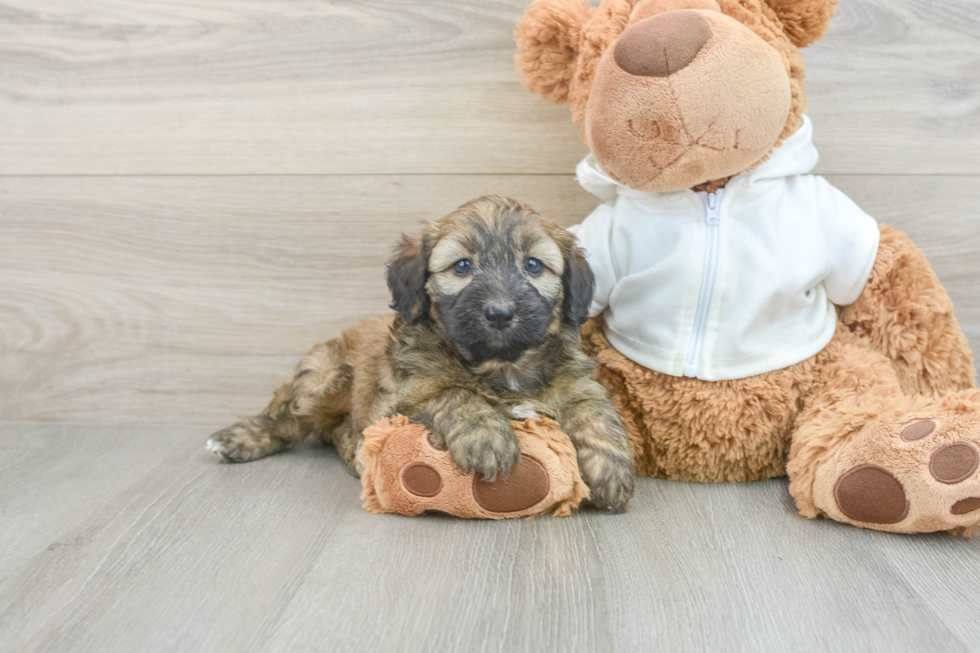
709, 272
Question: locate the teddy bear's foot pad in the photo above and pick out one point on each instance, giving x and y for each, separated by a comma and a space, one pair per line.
406, 471
910, 474
871, 494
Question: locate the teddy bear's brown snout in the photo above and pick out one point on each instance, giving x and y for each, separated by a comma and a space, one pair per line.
663, 44
683, 97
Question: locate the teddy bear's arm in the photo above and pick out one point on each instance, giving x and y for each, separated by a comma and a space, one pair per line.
906, 314
852, 239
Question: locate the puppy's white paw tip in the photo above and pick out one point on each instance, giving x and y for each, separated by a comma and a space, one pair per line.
524, 411
215, 447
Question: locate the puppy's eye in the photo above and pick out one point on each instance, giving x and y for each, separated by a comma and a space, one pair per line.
463, 267
533, 266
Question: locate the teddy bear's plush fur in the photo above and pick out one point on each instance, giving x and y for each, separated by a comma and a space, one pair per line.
881, 429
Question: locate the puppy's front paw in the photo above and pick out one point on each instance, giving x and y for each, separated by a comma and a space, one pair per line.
218, 446
486, 450
610, 480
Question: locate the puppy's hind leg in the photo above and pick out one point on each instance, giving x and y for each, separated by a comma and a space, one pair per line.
318, 397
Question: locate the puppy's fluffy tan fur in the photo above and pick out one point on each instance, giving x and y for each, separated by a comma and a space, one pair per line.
438, 362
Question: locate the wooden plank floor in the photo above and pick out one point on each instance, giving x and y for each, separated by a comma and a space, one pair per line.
131, 538
192, 194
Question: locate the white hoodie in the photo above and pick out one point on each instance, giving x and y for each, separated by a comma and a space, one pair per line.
732, 284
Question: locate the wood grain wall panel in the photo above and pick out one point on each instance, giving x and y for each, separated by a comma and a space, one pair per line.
406, 87
187, 299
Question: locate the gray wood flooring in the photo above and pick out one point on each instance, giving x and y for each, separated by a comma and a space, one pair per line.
131, 538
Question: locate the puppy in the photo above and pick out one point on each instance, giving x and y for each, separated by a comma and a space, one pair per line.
488, 301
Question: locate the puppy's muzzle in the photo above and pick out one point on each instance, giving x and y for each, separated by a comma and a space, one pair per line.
500, 316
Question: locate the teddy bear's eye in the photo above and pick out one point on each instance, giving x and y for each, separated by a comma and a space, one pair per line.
533, 266
463, 267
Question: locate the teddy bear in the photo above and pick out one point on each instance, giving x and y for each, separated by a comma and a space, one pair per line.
750, 321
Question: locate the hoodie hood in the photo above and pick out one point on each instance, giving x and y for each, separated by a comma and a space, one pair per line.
796, 156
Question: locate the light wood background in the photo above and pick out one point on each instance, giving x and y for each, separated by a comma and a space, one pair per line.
192, 194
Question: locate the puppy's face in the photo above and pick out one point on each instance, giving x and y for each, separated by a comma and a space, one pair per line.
494, 276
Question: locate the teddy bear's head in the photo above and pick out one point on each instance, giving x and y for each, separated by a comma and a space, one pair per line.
674, 94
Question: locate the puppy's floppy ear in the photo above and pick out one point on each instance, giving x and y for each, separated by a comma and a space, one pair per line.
408, 270
548, 37
805, 21
578, 282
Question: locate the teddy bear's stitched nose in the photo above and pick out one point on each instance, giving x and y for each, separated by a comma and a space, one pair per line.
663, 44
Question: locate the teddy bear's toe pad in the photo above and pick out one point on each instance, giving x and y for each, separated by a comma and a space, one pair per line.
954, 463
421, 480
966, 506
907, 474
918, 430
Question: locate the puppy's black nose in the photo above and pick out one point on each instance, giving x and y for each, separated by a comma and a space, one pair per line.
499, 317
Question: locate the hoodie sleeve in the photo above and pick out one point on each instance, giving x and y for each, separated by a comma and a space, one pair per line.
595, 238
852, 237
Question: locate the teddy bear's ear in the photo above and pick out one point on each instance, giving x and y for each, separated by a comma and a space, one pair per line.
548, 39
805, 21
